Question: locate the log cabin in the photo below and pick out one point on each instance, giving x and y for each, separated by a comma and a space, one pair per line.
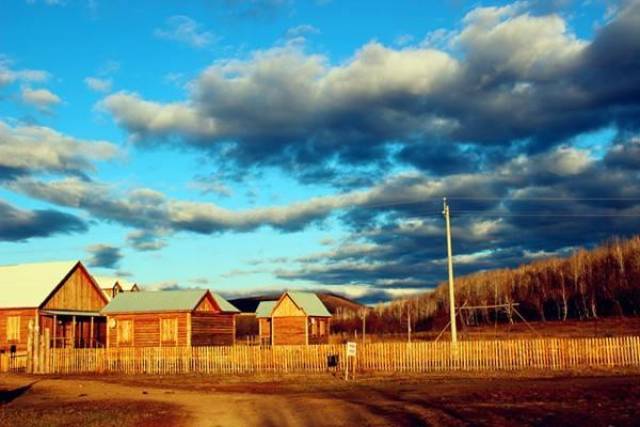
263, 316
170, 319
297, 318
60, 296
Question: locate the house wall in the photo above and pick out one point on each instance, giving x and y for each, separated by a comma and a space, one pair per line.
264, 327
146, 330
287, 308
289, 330
206, 305
77, 293
26, 315
212, 329
246, 326
319, 333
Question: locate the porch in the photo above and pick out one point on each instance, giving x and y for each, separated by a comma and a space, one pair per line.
71, 329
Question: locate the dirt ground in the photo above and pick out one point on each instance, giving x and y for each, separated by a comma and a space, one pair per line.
610, 399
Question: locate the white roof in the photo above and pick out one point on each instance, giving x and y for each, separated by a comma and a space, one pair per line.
108, 282
28, 285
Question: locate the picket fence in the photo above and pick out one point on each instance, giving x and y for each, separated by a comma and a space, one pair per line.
16, 362
547, 353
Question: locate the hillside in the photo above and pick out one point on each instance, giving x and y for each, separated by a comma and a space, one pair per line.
249, 304
588, 285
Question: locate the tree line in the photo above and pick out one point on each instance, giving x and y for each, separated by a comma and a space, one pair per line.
604, 281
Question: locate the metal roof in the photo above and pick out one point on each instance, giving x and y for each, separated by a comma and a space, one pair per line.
108, 282
162, 301
265, 308
225, 306
29, 285
309, 303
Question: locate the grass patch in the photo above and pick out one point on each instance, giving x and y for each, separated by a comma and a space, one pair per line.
104, 413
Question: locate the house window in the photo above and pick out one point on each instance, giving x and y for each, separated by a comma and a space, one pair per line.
125, 331
323, 327
169, 330
13, 328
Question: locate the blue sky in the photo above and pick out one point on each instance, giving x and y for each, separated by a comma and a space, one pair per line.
252, 145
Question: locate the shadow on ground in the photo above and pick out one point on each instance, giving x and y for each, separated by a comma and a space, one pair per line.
8, 396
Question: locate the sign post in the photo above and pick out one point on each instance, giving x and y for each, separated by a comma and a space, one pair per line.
350, 360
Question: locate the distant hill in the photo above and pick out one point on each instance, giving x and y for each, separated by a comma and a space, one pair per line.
332, 301
249, 304
587, 285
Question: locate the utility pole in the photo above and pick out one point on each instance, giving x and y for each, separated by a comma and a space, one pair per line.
452, 294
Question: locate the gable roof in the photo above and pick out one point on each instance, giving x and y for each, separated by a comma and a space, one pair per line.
30, 285
307, 302
108, 282
225, 306
163, 301
265, 308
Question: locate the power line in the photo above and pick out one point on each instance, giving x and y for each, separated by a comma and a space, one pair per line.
500, 199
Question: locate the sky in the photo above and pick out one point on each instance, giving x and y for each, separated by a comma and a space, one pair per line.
251, 146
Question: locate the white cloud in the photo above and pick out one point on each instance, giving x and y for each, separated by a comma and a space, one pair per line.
164, 119
26, 149
403, 39
49, 2
185, 30
292, 85
10, 75
98, 84
300, 32
42, 99
531, 46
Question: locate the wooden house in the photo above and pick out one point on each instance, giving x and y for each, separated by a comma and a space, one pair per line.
60, 296
294, 319
263, 316
170, 319
112, 286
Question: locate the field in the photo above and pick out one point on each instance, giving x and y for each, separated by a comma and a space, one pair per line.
605, 327
597, 399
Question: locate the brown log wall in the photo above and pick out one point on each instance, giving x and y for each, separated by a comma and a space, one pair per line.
77, 293
26, 315
209, 329
289, 330
146, 330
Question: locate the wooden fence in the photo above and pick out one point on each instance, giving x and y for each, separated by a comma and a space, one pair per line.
554, 354
13, 362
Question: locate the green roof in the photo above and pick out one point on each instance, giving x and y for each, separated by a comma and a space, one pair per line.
157, 301
224, 305
265, 308
309, 303
153, 301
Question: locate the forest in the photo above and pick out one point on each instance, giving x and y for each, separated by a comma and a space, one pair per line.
589, 284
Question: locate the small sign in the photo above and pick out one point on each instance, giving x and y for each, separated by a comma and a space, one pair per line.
351, 349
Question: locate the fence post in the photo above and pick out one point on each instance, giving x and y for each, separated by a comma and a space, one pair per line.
29, 367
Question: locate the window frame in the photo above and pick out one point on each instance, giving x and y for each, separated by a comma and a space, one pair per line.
13, 328
121, 327
166, 331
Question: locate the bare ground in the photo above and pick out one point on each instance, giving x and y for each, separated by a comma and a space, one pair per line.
601, 400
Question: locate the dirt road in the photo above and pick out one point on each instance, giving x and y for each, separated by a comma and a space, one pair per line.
301, 401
